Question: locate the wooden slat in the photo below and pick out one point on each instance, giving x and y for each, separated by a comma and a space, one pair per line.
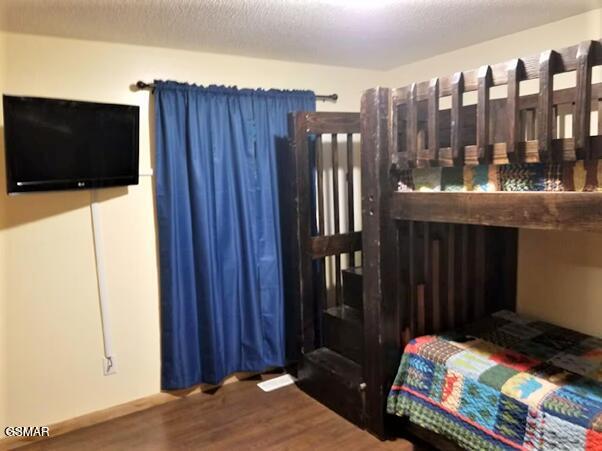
332, 122
509, 269
427, 274
547, 68
336, 214
530, 132
484, 83
320, 183
412, 127
420, 310
436, 284
350, 195
515, 75
412, 279
324, 246
449, 276
457, 123
581, 116
599, 108
465, 287
433, 122
536, 210
321, 283
480, 261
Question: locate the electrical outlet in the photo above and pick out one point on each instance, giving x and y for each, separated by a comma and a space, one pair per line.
109, 365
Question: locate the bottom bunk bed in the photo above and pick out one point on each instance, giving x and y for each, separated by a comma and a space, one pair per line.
504, 382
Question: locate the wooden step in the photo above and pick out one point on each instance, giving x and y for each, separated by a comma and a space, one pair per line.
353, 288
343, 332
334, 381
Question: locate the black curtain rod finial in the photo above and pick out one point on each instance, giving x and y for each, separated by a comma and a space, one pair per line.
141, 85
331, 97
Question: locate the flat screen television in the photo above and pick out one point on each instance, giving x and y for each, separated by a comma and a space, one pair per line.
53, 144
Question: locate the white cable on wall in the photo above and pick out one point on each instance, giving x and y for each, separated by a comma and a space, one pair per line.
103, 297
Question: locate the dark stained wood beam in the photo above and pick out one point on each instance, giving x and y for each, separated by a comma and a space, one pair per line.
532, 210
380, 247
342, 243
331, 122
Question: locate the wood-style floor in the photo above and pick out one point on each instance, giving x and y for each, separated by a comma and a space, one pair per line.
238, 416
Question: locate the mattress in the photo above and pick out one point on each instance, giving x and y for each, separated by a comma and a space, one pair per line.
505, 382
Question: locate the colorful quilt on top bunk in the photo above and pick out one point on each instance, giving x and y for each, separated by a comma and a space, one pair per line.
504, 383
575, 176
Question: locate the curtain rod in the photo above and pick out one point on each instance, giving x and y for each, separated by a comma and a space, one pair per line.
143, 85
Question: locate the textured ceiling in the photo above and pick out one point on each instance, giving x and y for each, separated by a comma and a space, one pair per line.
376, 34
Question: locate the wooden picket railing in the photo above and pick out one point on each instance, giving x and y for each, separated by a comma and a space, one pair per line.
497, 131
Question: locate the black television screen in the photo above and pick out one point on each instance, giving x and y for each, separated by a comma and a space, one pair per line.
63, 144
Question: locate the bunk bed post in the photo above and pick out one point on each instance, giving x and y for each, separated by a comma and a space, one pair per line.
380, 246
300, 296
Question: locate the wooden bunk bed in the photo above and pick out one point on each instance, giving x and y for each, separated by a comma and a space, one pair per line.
431, 261
436, 261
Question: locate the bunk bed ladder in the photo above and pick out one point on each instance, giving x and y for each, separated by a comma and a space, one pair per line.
323, 285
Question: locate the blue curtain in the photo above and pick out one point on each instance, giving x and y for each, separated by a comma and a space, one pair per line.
219, 238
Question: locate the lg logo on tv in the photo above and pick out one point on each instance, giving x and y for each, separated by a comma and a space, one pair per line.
26, 431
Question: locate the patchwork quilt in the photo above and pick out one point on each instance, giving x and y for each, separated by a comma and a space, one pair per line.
505, 382
569, 176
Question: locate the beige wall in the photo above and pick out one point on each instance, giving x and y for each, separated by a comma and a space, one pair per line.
554, 282
50, 335
3, 292
50, 332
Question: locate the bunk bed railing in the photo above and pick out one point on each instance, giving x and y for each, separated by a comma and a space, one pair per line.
419, 124
515, 129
